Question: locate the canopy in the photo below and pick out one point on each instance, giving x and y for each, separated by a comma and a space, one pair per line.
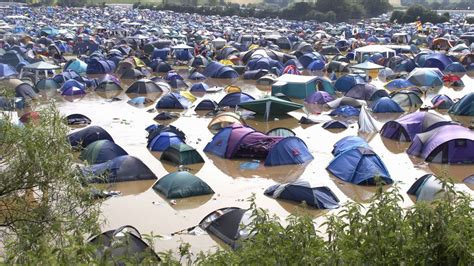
270, 106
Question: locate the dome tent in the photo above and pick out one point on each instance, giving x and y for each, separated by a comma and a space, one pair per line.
84, 137
181, 184
119, 169
181, 154
101, 151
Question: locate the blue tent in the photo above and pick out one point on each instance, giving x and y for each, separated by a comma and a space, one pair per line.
386, 105
183, 55
218, 70
7, 71
73, 91
87, 135
345, 110
308, 58
303, 191
199, 87
335, 124
437, 60
101, 151
234, 99
442, 101
140, 101
264, 63
347, 143
160, 53
163, 141
76, 65
119, 169
455, 68
465, 106
196, 76
360, 166
206, 105
26, 91
367, 92
173, 101
100, 66
316, 65
72, 83
346, 82
290, 150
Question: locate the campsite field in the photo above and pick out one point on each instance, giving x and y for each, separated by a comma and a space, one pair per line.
142, 207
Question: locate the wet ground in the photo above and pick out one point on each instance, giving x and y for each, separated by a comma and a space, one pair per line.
141, 207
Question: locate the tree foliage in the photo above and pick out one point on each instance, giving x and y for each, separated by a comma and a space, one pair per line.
418, 12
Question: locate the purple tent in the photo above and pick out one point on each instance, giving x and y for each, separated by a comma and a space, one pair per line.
437, 60
406, 127
446, 144
238, 141
319, 97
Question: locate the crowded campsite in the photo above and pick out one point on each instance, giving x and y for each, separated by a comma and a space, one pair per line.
176, 120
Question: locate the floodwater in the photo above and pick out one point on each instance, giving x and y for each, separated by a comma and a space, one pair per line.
146, 210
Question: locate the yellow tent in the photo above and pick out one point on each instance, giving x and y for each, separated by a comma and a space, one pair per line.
232, 89
188, 95
226, 62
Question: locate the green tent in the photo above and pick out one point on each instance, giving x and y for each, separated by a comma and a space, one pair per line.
181, 154
270, 106
101, 151
181, 184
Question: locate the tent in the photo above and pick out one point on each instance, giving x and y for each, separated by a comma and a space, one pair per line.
239, 141
132, 74
196, 76
437, 60
346, 101
30, 117
335, 124
442, 101
465, 106
206, 105
25, 91
119, 169
108, 85
386, 105
124, 243
360, 166
223, 120
407, 99
302, 190
84, 137
398, 84
290, 150
230, 225
73, 91
144, 86
367, 124
140, 101
199, 87
101, 151
345, 110
100, 66
155, 130
347, 143
181, 154
346, 82
455, 68
164, 140
78, 119
234, 99
77, 65
270, 106
281, 132
7, 71
406, 127
72, 83
426, 77
47, 84
426, 188
451, 144
181, 184
319, 97
366, 92
165, 116
173, 101
218, 70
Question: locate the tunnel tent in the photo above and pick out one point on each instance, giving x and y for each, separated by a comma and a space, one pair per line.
426, 188
181, 184
101, 151
304, 190
119, 169
82, 138
125, 242
181, 154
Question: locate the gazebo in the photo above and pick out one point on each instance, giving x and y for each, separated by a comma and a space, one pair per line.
37, 68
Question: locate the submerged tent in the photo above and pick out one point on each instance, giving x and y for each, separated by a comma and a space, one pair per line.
406, 127
181, 154
181, 184
335, 124
101, 151
78, 119
121, 246
230, 225
346, 82
446, 144
347, 143
119, 169
427, 77
218, 70
360, 166
386, 105
319, 97
84, 137
426, 188
206, 105
164, 140
223, 120
281, 132
303, 190
290, 150
144, 86
108, 85
345, 110
442, 101
407, 99
465, 106
173, 101
234, 99
366, 92
270, 106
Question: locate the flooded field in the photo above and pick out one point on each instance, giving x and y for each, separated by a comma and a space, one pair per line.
149, 212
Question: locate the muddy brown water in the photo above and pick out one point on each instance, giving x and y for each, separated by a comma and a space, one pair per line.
141, 207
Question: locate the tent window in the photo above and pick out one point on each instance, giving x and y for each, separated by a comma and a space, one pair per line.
460, 143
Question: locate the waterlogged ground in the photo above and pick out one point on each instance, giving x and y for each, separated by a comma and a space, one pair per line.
141, 207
